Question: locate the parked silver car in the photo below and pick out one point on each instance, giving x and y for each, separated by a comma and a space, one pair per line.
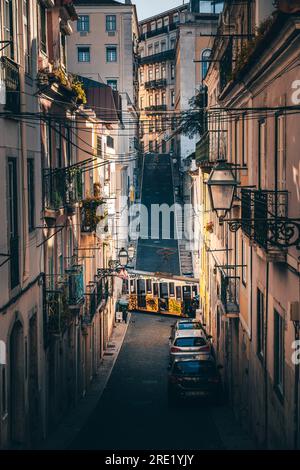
187, 343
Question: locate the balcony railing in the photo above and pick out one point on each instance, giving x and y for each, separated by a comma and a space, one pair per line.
160, 57
155, 84
158, 107
11, 78
58, 315
75, 285
263, 216
61, 188
230, 294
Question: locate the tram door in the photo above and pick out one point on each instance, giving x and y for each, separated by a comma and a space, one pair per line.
141, 293
187, 299
163, 296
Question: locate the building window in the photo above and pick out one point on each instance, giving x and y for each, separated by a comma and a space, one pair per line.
156, 48
150, 74
205, 65
164, 146
172, 98
175, 18
153, 26
84, 54
172, 71
110, 142
260, 324
144, 29
278, 352
261, 154
113, 84
280, 149
8, 26
156, 100
172, 43
166, 21
142, 76
150, 100
13, 222
150, 49
27, 34
111, 23
163, 46
111, 54
43, 28
142, 103
157, 72
164, 99
83, 23
163, 72
31, 195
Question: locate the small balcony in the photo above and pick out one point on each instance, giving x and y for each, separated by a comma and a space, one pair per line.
62, 188
229, 295
57, 314
264, 214
156, 84
160, 57
11, 78
157, 108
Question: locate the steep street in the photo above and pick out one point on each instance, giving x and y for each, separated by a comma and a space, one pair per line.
133, 411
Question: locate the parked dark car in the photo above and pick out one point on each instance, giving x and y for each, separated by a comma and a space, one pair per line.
197, 377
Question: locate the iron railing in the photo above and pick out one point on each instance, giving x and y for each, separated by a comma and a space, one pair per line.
155, 84
11, 77
159, 107
264, 216
160, 57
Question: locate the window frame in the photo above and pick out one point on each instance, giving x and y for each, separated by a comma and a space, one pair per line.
109, 54
86, 53
82, 22
111, 23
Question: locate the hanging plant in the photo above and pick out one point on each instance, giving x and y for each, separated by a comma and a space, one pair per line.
78, 89
209, 227
89, 210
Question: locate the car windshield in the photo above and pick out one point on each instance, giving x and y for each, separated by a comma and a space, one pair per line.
190, 342
203, 368
189, 326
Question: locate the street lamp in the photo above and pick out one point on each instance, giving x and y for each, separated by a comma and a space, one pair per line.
221, 187
123, 257
131, 252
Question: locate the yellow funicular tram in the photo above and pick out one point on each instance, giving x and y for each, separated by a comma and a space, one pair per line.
162, 293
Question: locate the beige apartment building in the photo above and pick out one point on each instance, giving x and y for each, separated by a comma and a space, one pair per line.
104, 48
157, 80
250, 273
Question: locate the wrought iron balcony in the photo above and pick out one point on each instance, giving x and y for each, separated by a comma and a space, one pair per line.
155, 84
156, 32
160, 57
57, 313
264, 218
62, 188
11, 78
229, 294
158, 107
75, 285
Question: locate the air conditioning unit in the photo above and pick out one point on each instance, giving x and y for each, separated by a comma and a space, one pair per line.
294, 308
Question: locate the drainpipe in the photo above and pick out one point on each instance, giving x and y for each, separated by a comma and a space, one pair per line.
266, 357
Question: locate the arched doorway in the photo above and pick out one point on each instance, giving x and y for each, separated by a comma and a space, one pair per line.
17, 408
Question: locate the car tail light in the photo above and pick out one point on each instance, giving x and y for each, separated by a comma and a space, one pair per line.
174, 349
205, 348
